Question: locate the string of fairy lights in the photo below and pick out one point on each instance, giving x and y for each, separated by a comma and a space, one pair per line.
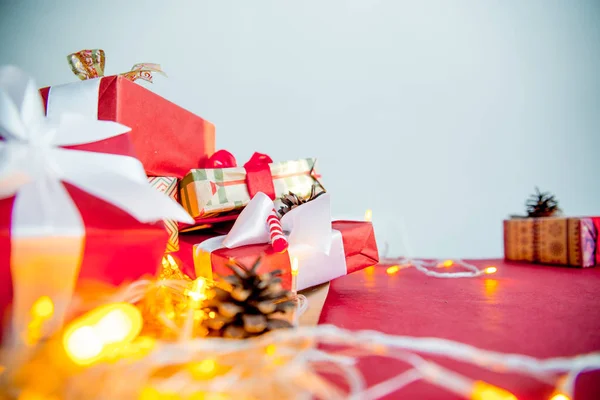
279, 361
111, 358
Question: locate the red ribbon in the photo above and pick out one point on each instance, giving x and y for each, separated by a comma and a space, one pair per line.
258, 175
258, 172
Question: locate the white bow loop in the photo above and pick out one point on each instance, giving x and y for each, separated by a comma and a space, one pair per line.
306, 226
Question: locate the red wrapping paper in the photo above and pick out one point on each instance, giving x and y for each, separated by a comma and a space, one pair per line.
117, 248
360, 249
167, 139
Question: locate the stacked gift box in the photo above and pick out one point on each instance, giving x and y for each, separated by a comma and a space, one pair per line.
122, 238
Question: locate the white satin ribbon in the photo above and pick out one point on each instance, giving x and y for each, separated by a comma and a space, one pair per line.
47, 231
77, 97
318, 247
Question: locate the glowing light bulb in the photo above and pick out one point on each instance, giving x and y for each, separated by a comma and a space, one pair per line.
392, 270
84, 344
448, 263
198, 291
270, 349
171, 261
101, 331
43, 308
369, 215
490, 270
484, 391
114, 327
203, 369
295, 266
560, 396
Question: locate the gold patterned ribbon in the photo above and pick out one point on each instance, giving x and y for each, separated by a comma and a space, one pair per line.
89, 64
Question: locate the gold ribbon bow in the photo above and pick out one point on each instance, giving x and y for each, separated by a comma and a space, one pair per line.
89, 64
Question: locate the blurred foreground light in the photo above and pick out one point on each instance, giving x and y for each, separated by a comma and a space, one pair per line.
101, 331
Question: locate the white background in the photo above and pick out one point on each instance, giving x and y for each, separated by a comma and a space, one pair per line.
442, 114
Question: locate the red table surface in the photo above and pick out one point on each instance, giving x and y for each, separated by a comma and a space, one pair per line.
536, 310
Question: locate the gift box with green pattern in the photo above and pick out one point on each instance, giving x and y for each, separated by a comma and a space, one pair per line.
211, 192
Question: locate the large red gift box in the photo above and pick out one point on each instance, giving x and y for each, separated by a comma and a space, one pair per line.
116, 248
360, 250
167, 139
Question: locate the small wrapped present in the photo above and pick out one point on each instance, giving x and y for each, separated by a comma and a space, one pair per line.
167, 139
68, 213
544, 236
210, 192
168, 185
553, 240
323, 250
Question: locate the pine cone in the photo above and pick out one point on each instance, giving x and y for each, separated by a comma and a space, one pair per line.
542, 205
292, 200
248, 304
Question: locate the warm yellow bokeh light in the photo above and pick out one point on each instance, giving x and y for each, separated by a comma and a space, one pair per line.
270, 349
484, 391
198, 291
490, 270
114, 327
43, 307
101, 331
448, 263
84, 344
369, 215
295, 266
204, 368
370, 270
392, 270
560, 396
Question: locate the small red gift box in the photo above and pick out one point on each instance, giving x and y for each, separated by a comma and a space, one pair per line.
359, 245
167, 139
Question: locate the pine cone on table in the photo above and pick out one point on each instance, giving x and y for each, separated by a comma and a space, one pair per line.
292, 200
248, 304
542, 205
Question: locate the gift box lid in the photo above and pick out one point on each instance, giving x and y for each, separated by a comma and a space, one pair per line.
168, 140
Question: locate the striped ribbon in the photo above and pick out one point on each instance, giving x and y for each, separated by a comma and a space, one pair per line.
278, 240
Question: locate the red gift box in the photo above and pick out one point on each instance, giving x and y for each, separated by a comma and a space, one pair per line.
116, 247
360, 250
167, 139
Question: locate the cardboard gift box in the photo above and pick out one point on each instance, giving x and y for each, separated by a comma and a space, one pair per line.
553, 240
169, 186
210, 192
167, 139
324, 250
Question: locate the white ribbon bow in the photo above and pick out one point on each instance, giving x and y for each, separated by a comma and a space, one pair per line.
33, 166
318, 247
307, 226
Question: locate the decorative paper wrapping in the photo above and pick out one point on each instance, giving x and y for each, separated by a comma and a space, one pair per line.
168, 185
325, 250
563, 241
168, 140
66, 212
209, 192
